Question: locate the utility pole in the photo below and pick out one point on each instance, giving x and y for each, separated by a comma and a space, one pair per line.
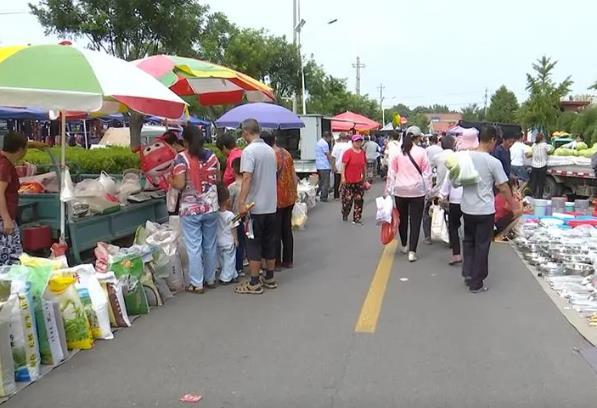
358, 67
381, 87
485, 108
294, 35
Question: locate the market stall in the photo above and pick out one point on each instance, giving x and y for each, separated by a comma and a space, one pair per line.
559, 242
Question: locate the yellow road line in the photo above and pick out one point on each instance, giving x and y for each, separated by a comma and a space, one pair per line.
371, 308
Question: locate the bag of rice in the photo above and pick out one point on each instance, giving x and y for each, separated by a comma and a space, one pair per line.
117, 308
128, 268
61, 288
87, 279
7, 370
51, 351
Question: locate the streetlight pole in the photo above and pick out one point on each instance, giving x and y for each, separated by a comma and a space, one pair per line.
294, 23
299, 28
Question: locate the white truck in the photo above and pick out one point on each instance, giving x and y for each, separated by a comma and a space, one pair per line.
301, 143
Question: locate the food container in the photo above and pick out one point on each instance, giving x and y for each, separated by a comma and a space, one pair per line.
582, 206
569, 207
558, 204
551, 269
540, 207
578, 269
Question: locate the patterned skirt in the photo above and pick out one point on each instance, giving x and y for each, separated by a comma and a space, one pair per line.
10, 246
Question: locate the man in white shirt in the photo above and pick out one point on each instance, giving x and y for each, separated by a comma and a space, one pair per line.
433, 151
517, 156
340, 147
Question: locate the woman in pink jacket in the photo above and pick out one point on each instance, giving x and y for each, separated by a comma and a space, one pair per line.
409, 181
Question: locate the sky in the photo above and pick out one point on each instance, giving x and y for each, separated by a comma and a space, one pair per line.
423, 51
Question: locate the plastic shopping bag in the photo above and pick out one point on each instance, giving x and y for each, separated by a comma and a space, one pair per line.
299, 216
439, 227
100, 321
389, 229
7, 372
385, 205
462, 169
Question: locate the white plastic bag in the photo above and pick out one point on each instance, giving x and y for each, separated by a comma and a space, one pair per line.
67, 191
299, 216
7, 371
108, 183
172, 199
465, 173
131, 184
439, 227
89, 188
385, 205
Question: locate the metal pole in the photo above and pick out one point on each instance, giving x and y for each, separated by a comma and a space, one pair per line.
62, 168
294, 23
301, 59
85, 134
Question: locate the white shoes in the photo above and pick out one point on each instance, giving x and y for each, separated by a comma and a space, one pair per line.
404, 250
412, 257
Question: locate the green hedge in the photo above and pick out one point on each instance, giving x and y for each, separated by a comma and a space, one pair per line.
112, 160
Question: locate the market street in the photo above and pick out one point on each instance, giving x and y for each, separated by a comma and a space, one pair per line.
434, 345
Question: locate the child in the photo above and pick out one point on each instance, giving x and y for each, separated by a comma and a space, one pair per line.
234, 190
227, 238
15, 147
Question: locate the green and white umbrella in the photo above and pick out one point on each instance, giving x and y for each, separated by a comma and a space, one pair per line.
67, 79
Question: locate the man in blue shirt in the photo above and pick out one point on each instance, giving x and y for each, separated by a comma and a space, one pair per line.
323, 163
502, 153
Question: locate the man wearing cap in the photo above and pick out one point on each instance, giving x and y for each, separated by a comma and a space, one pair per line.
340, 147
323, 163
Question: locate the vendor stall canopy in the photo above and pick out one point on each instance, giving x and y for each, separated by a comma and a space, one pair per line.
349, 120
212, 84
65, 78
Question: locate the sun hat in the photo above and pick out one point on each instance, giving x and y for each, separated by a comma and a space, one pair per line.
468, 140
356, 138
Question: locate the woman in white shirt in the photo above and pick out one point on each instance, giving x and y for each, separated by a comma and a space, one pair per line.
517, 156
539, 166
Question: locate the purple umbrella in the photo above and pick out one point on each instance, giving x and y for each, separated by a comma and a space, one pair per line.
268, 115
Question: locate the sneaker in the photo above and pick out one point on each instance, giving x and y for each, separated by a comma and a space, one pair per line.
241, 273
480, 290
404, 250
428, 241
412, 257
345, 218
210, 285
456, 259
359, 222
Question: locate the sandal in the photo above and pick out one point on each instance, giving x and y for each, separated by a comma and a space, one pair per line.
268, 283
194, 289
245, 288
210, 285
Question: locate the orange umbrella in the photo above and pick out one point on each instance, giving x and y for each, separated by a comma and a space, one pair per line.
348, 120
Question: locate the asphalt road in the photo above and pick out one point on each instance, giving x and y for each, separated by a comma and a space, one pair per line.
435, 344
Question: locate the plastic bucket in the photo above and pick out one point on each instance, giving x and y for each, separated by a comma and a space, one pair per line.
540, 207
582, 206
569, 207
558, 204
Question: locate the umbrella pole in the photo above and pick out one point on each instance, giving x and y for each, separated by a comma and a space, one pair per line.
85, 134
62, 168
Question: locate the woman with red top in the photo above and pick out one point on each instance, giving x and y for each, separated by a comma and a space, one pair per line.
227, 144
15, 147
353, 179
286, 181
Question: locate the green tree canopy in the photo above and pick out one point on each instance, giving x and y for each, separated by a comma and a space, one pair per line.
542, 109
472, 113
503, 106
128, 29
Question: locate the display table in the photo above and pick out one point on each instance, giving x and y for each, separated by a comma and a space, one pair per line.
85, 233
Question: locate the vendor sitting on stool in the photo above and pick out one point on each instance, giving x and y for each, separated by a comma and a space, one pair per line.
15, 147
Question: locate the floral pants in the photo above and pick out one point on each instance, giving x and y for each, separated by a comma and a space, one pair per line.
10, 247
352, 193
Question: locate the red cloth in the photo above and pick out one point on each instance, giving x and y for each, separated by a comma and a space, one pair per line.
229, 176
502, 208
354, 166
8, 174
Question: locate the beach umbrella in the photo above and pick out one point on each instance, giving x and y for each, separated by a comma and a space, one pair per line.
212, 84
268, 115
67, 79
348, 120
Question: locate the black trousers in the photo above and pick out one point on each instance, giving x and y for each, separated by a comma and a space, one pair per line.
284, 238
337, 179
454, 217
411, 213
537, 181
478, 232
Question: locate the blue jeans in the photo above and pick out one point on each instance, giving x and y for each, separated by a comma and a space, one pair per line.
520, 172
199, 233
227, 257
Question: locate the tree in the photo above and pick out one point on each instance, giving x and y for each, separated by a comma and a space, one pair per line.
585, 125
421, 120
401, 109
503, 106
128, 29
472, 113
566, 121
542, 109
